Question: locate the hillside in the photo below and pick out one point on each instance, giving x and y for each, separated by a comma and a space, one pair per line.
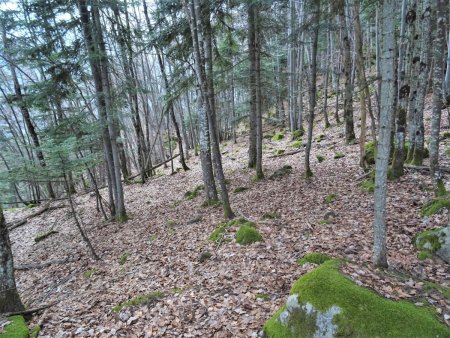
236, 290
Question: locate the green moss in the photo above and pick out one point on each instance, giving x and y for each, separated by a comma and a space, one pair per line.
429, 240
447, 151
320, 138
41, 237
313, 257
430, 286
262, 296
280, 152
368, 185
195, 220
278, 136
147, 299
174, 204
320, 158
422, 255
211, 203
325, 221
363, 312
240, 189
297, 144
440, 190
218, 233
435, 206
284, 171
297, 134
248, 234
329, 199
89, 273
121, 218
338, 155
123, 259
446, 135
271, 215
370, 151
16, 329
34, 332
189, 195
30, 205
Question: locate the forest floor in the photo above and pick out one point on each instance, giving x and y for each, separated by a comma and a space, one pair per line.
234, 292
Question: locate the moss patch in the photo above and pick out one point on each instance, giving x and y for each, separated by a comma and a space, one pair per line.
123, 259
320, 138
338, 155
218, 233
368, 185
34, 332
247, 234
283, 171
278, 136
297, 144
421, 256
189, 195
313, 257
435, 206
440, 190
329, 199
147, 299
363, 313
16, 329
89, 273
41, 237
262, 296
370, 151
320, 158
271, 215
297, 134
280, 152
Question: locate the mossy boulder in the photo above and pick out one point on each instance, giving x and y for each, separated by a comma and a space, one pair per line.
283, 171
434, 242
278, 136
297, 134
370, 150
325, 303
247, 234
17, 328
222, 228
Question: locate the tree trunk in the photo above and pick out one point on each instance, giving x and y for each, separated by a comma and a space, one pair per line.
383, 149
439, 64
9, 297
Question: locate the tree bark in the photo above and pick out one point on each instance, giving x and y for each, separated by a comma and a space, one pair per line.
383, 149
9, 297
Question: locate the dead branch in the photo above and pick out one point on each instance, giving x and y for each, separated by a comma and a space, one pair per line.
426, 168
287, 154
37, 213
33, 266
155, 167
29, 311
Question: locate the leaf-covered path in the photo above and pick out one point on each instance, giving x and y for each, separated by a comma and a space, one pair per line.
235, 291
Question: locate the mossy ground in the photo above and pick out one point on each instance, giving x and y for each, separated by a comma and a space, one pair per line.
435, 206
218, 233
247, 234
189, 195
313, 257
17, 329
364, 313
146, 299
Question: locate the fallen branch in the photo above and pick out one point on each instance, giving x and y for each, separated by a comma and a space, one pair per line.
37, 213
33, 266
426, 168
155, 167
287, 154
29, 311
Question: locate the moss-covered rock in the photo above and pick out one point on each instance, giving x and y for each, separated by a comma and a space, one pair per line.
147, 299
434, 242
297, 134
435, 206
247, 234
313, 257
17, 328
218, 233
284, 171
325, 303
278, 136
370, 151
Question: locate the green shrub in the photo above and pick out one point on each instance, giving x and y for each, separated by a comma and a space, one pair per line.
297, 134
248, 234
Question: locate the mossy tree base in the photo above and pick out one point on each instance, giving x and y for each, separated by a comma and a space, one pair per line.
16, 329
347, 310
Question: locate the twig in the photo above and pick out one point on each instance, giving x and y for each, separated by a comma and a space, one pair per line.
286, 154
32, 266
37, 213
29, 311
426, 168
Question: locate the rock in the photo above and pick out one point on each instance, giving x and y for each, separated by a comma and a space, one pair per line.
435, 242
124, 315
132, 320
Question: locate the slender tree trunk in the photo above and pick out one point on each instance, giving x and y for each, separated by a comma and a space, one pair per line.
439, 64
9, 297
252, 150
315, 19
383, 149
